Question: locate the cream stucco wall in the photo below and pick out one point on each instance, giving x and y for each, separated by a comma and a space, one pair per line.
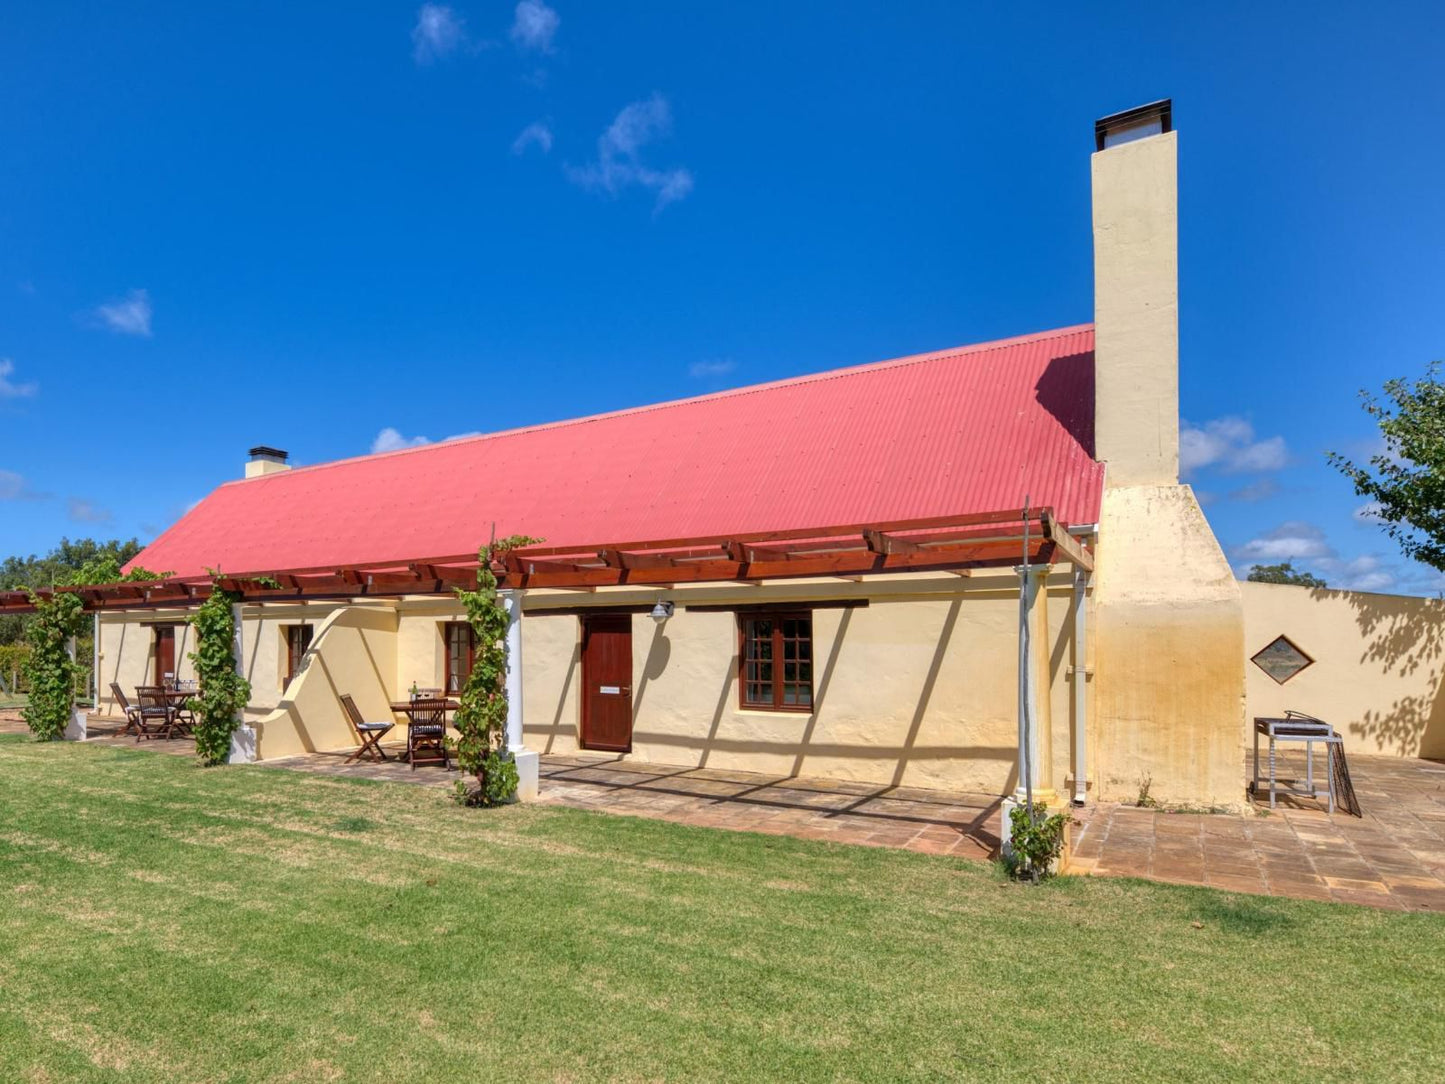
1379, 664
1136, 311
919, 687
907, 690
353, 652
127, 652
1168, 643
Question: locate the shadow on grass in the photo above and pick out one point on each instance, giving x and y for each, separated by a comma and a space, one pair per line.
1247, 915
354, 824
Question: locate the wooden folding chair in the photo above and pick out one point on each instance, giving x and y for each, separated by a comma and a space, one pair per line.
132, 713
369, 733
155, 718
428, 732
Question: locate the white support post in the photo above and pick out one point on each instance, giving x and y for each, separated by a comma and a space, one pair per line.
1081, 686
1035, 740
243, 738
527, 761
95, 660
75, 729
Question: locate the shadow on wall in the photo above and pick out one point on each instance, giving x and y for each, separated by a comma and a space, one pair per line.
701, 748
1404, 637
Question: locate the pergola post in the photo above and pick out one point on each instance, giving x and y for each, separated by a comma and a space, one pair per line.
527, 761
75, 728
243, 738
1035, 714
1036, 720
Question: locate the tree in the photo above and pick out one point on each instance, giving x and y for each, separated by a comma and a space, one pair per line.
60, 566
1406, 482
1284, 572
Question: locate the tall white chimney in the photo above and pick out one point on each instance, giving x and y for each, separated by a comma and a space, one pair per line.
1136, 296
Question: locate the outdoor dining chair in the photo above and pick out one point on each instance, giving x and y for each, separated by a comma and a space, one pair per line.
155, 717
132, 713
369, 733
428, 732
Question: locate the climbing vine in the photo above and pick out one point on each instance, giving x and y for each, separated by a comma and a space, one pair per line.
50, 671
481, 718
223, 691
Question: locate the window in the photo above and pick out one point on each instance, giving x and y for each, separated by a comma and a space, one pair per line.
461, 644
1281, 659
298, 642
777, 661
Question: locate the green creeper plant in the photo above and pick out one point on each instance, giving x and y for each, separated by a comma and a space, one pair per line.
223, 692
481, 718
49, 669
1037, 839
1406, 482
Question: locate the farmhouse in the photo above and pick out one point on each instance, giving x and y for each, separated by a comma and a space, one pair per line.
877, 573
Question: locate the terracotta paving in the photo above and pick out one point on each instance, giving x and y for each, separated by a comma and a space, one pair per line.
931, 821
1392, 857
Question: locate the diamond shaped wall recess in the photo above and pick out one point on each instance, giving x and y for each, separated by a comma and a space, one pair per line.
1281, 660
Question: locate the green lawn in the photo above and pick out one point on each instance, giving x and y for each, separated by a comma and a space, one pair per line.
162, 922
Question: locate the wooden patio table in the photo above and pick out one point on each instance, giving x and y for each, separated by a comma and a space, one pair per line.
404, 707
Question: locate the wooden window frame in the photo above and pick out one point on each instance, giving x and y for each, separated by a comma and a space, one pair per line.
293, 657
447, 628
777, 617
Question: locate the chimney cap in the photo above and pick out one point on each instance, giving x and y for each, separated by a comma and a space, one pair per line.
1143, 120
262, 451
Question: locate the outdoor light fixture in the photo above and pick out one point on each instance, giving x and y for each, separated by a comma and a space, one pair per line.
662, 611
1138, 123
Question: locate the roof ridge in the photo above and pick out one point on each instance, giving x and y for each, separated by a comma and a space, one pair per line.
746, 389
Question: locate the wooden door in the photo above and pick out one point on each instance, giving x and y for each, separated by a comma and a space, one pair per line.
165, 653
607, 682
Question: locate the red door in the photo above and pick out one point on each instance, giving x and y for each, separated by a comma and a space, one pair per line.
165, 653
607, 682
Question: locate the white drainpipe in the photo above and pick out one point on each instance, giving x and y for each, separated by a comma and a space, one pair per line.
1081, 674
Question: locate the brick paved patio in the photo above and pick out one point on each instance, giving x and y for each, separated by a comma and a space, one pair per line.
1393, 857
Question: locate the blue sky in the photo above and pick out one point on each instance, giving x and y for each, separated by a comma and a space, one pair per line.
324, 228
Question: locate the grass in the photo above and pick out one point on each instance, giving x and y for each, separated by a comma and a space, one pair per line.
163, 922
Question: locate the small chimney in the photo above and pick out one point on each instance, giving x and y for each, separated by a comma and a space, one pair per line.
264, 460
1136, 296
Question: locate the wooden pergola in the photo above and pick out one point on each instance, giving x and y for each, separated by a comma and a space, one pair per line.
953, 544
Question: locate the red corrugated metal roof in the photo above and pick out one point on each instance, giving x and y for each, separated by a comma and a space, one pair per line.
973, 429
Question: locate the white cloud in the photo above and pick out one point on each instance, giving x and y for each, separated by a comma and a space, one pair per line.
82, 511
1261, 489
618, 165
128, 316
535, 25
438, 32
1228, 444
1305, 546
701, 370
537, 134
390, 440
11, 390
1369, 512
1292, 541
12, 486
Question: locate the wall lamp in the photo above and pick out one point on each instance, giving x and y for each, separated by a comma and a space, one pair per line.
662, 611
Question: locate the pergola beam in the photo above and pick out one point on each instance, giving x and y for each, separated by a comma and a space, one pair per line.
947, 544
